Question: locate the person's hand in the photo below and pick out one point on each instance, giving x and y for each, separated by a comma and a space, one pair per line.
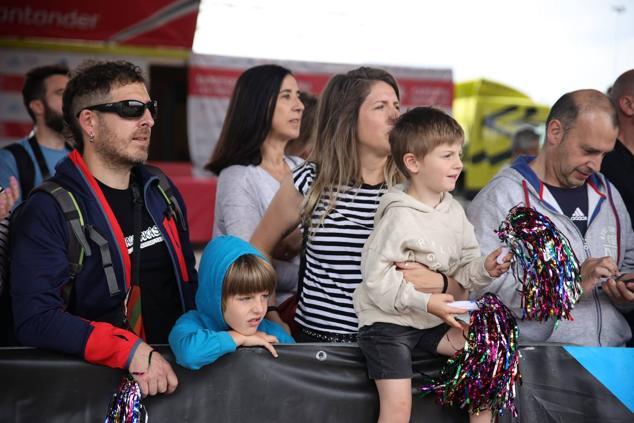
289, 247
620, 291
274, 316
419, 275
594, 269
8, 197
259, 339
428, 281
438, 306
152, 372
494, 268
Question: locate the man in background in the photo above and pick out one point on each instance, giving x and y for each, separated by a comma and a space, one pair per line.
525, 142
33, 159
618, 165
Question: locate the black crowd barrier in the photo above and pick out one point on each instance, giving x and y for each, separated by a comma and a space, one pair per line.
307, 383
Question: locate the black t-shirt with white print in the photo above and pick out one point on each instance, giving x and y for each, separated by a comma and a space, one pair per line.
573, 202
160, 300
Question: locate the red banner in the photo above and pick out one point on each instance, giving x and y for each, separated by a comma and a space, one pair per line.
426, 92
169, 23
219, 82
15, 129
212, 79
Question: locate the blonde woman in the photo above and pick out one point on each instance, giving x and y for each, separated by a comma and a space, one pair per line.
335, 196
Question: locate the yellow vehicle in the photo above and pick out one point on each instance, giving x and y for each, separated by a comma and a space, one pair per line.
490, 114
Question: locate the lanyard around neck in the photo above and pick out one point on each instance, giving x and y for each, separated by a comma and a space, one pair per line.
137, 202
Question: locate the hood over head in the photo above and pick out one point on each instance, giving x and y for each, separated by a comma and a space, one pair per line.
218, 256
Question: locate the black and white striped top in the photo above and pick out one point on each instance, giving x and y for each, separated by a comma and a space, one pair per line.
333, 255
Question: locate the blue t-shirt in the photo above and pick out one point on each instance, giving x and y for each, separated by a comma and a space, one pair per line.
8, 166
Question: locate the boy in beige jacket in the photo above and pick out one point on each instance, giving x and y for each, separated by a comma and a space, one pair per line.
418, 221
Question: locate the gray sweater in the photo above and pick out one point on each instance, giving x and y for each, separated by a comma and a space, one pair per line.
597, 321
242, 197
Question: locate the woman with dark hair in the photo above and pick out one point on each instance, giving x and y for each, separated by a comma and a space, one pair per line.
264, 114
302, 146
335, 197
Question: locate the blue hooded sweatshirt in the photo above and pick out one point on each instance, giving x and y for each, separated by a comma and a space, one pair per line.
201, 336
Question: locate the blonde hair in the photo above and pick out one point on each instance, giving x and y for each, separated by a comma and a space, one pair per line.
336, 150
249, 274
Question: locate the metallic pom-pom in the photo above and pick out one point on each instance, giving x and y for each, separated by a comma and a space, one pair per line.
544, 263
482, 375
125, 405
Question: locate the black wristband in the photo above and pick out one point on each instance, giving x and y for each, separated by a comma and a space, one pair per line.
271, 308
445, 282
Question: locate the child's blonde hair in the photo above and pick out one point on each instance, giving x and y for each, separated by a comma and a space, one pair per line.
419, 131
249, 274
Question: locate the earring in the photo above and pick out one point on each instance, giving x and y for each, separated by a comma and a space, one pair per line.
91, 137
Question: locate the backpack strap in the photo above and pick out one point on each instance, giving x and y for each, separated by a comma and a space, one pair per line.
106, 259
78, 245
168, 193
39, 157
26, 169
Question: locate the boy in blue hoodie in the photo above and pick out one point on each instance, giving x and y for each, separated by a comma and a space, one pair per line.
235, 281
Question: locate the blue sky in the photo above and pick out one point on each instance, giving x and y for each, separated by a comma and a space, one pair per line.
544, 48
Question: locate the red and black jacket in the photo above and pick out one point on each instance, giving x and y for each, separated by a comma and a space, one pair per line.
40, 269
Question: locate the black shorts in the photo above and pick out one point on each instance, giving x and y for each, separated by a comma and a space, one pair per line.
388, 348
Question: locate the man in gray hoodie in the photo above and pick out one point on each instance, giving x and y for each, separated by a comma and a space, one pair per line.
563, 182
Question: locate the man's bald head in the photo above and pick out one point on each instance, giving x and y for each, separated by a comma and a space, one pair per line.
624, 85
622, 95
569, 106
582, 127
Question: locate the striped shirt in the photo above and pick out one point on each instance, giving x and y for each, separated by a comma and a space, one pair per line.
332, 268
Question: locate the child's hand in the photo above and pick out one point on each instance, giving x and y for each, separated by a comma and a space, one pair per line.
494, 268
8, 197
259, 339
438, 306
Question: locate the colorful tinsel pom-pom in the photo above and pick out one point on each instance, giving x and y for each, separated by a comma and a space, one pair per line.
544, 263
482, 375
125, 405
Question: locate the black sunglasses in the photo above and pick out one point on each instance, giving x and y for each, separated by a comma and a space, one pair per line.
127, 108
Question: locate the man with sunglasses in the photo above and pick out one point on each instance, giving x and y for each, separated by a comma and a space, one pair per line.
34, 158
138, 272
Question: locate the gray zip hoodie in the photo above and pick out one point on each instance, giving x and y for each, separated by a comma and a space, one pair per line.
597, 321
407, 230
